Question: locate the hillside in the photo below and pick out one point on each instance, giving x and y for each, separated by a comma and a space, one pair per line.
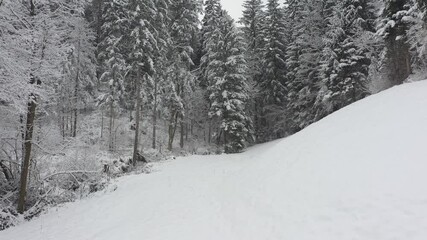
358, 174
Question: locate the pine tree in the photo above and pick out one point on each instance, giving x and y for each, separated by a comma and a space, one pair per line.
210, 37
345, 63
303, 60
228, 86
78, 85
393, 29
155, 86
183, 28
210, 24
297, 12
417, 33
272, 86
143, 45
253, 22
111, 56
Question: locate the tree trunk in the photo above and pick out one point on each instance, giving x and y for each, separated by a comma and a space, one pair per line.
76, 101
182, 133
226, 147
111, 125
102, 124
218, 139
29, 128
76, 89
137, 113
210, 131
171, 132
155, 115
21, 119
256, 121
187, 130
172, 129
154, 129
71, 123
62, 122
192, 127
66, 125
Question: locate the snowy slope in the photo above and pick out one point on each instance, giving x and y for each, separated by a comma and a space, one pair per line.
361, 173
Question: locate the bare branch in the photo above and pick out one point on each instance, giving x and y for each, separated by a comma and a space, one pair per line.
24, 22
70, 173
47, 151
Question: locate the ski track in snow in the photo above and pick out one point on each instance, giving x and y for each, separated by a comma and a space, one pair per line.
360, 173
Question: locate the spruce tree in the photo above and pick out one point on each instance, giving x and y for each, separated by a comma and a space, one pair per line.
303, 60
229, 88
345, 62
183, 28
272, 86
253, 22
143, 46
153, 88
210, 37
210, 24
393, 29
296, 12
417, 33
111, 57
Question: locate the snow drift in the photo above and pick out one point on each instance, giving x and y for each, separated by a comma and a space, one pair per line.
360, 173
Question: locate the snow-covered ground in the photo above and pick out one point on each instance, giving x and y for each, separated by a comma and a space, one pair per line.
361, 173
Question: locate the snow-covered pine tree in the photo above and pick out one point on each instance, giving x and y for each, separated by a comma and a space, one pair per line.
111, 57
417, 34
393, 29
295, 13
303, 59
228, 90
183, 27
81, 62
212, 13
345, 62
143, 44
253, 22
272, 84
210, 23
154, 100
210, 37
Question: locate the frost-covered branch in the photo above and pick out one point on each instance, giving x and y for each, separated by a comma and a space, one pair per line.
69, 173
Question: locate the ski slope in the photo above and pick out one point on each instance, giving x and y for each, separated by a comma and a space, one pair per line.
360, 173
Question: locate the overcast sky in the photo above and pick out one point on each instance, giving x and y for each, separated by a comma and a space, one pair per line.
234, 7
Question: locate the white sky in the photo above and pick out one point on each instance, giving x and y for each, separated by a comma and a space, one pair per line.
234, 7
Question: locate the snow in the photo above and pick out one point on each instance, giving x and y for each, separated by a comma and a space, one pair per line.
358, 174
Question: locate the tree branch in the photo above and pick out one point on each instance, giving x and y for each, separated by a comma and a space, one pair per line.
70, 173
46, 151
